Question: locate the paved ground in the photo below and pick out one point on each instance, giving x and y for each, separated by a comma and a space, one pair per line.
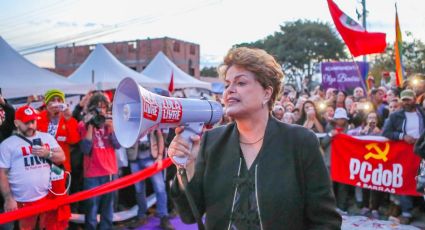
349, 222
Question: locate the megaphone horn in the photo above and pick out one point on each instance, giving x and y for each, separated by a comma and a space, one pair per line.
136, 112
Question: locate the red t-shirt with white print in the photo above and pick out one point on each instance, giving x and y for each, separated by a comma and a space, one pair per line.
102, 160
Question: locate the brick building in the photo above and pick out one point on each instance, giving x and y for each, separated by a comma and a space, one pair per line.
134, 54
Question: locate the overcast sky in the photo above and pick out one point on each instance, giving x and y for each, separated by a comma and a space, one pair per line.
215, 25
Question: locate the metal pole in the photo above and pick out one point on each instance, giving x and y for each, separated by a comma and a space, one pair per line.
364, 23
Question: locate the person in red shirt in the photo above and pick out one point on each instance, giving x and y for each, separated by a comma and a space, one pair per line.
58, 121
98, 145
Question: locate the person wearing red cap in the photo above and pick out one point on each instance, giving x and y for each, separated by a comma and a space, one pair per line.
25, 166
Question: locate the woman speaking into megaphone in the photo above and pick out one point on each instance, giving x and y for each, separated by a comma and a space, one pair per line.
257, 172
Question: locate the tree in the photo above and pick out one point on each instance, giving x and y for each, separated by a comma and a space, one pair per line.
302, 43
209, 72
413, 55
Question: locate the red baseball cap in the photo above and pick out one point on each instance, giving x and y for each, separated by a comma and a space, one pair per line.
25, 114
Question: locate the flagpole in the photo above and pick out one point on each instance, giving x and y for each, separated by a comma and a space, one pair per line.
364, 23
359, 73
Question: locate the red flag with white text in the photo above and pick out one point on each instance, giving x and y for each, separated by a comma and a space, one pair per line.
358, 40
388, 166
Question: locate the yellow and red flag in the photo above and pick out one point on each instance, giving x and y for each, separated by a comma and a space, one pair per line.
387, 166
398, 52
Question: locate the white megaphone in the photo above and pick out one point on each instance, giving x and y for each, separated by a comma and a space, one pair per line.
136, 112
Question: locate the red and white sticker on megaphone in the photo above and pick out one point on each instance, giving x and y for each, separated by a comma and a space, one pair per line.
150, 107
171, 111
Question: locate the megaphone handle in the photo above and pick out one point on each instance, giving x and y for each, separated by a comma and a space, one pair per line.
190, 129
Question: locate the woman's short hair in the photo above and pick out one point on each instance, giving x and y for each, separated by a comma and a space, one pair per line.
267, 71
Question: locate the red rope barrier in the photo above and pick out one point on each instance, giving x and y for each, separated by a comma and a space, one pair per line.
83, 195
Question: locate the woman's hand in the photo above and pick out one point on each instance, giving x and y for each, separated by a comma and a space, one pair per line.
180, 148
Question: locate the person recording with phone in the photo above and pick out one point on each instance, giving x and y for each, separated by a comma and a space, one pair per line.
57, 120
25, 169
98, 145
370, 199
256, 172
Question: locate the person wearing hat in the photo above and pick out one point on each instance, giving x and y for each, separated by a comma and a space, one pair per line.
25, 169
57, 120
406, 124
339, 124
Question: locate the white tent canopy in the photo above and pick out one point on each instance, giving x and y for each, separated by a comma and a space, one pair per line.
21, 78
161, 68
102, 71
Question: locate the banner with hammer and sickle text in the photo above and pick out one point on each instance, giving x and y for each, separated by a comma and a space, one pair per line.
387, 166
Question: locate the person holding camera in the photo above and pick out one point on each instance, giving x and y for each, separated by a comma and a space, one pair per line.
371, 199
98, 145
57, 120
25, 168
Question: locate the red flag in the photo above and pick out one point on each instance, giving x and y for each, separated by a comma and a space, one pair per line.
171, 85
358, 40
388, 166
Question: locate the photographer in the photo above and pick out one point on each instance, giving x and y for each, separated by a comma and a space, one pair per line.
100, 164
371, 200
58, 121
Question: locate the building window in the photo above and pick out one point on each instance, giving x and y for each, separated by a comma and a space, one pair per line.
192, 49
132, 46
176, 46
191, 69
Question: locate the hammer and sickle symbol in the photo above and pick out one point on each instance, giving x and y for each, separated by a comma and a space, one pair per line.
379, 155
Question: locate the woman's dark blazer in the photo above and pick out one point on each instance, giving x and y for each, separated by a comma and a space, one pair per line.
293, 185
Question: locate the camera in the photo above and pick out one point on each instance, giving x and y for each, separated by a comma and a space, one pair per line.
97, 119
61, 106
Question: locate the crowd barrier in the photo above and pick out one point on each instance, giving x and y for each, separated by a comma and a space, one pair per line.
106, 188
110, 187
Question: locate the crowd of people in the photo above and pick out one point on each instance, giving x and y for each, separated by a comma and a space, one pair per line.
237, 174
395, 113
81, 144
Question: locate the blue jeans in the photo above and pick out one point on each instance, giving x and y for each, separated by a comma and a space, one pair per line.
6, 226
406, 204
158, 187
104, 203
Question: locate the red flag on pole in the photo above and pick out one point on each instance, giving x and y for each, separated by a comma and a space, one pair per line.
171, 85
358, 40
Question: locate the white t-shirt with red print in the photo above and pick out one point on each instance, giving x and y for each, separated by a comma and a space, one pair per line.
29, 175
